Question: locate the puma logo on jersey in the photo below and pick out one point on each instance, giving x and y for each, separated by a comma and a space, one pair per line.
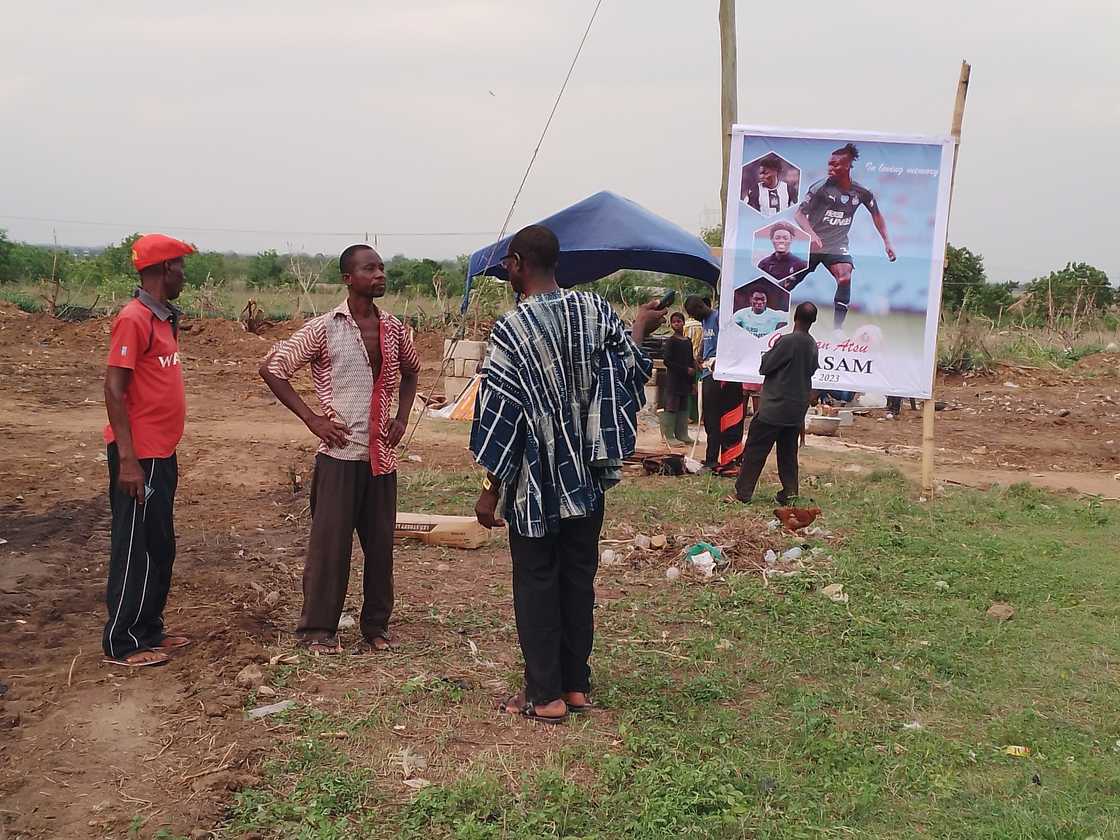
169, 361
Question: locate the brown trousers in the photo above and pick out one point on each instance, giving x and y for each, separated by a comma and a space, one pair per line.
346, 496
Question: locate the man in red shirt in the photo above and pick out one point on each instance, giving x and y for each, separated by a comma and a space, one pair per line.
147, 406
361, 358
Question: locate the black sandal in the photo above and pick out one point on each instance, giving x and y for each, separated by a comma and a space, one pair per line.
528, 709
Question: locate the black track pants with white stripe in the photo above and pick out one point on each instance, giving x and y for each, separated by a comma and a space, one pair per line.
142, 552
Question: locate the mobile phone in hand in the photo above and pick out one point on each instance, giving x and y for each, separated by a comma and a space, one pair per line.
667, 301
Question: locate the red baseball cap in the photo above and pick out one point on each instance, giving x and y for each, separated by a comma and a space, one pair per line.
153, 248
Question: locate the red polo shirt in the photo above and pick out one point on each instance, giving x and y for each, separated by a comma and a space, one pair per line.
144, 341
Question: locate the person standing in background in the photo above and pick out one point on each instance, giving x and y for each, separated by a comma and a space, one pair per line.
694, 332
722, 411
788, 368
680, 366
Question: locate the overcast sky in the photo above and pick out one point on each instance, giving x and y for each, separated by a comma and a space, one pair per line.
305, 119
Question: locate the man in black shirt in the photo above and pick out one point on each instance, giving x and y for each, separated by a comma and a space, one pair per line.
788, 369
827, 213
782, 263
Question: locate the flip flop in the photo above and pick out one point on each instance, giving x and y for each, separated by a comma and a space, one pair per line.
528, 709
172, 643
130, 661
582, 708
378, 644
322, 647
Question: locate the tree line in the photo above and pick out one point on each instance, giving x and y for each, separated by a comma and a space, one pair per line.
110, 271
1077, 290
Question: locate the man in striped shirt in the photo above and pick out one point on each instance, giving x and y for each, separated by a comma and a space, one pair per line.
557, 413
361, 358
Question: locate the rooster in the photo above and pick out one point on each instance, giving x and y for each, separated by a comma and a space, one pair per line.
796, 518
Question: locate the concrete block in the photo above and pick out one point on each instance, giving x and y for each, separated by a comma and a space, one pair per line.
470, 350
453, 386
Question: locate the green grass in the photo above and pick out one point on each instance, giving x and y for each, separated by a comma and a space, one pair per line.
26, 300
779, 714
974, 344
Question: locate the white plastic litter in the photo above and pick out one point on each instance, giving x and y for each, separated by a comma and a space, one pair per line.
271, 709
704, 563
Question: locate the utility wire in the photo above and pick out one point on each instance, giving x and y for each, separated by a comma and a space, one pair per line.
505, 224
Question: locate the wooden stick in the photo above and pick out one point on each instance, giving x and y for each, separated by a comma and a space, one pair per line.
729, 99
70, 674
928, 407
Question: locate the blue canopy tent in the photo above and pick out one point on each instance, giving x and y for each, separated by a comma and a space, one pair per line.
605, 233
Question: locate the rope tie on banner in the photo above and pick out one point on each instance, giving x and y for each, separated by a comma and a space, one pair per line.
460, 330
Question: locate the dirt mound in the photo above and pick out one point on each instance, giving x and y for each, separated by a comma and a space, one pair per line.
1100, 364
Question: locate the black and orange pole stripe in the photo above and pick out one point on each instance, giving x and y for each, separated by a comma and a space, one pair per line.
732, 417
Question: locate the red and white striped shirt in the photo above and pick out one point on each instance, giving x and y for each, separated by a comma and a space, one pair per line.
340, 369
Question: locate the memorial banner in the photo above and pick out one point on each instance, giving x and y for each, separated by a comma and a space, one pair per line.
854, 222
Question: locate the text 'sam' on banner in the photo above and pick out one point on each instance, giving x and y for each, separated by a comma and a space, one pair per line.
854, 222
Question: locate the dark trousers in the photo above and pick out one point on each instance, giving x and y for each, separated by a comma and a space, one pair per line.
553, 601
346, 496
761, 438
723, 421
894, 404
141, 554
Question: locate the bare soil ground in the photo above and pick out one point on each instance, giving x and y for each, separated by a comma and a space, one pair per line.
86, 750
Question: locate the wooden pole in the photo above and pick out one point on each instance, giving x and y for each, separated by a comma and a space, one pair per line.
730, 97
928, 407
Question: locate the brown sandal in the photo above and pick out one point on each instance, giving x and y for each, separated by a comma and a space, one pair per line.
324, 647
172, 643
140, 659
378, 644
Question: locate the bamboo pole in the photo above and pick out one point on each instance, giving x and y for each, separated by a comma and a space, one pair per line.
928, 407
729, 99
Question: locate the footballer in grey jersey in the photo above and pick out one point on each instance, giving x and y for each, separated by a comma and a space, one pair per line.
827, 213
